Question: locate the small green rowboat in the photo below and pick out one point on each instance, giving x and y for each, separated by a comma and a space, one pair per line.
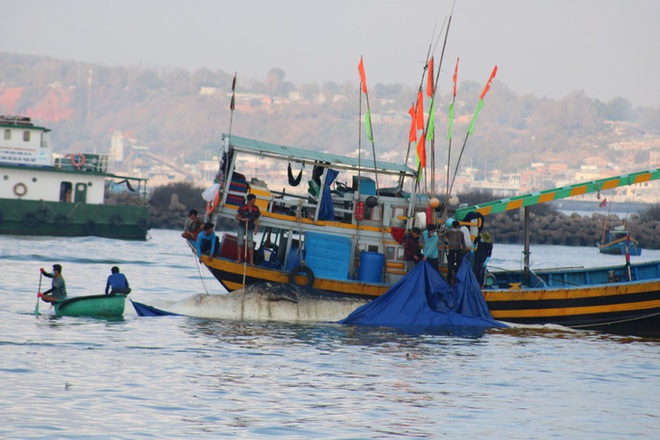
95, 306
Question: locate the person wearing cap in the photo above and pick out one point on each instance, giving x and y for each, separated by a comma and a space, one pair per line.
482, 252
248, 224
117, 282
58, 286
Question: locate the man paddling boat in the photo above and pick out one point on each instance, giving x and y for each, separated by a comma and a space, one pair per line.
58, 289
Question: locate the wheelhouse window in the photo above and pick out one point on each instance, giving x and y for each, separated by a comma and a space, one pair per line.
7, 134
26, 136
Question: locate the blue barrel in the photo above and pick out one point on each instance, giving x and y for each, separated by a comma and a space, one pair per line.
292, 259
371, 267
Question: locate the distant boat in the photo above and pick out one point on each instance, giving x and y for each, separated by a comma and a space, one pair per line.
617, 240
64, 196
94, 306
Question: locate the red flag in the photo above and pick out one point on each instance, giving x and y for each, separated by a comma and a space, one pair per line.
412, 137
420, 110
429, 85
490, 80
421, 151
363, 76
455, 77
603, 203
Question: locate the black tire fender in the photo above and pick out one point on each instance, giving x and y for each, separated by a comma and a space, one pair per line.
309, 273
116, 220
30, 219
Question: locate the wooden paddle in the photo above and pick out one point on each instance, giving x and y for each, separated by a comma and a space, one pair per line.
36, 307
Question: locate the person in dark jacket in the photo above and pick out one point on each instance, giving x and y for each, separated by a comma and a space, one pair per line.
482, 253
411, 248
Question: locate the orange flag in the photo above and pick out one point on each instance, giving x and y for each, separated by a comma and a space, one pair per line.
363, 76
455, 77
420, 110
490, 80
421, 151
429, 85
412, 137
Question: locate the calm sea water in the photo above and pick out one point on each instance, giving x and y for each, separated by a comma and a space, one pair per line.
181, 377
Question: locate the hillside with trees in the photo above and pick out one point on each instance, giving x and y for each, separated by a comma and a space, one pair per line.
180, 114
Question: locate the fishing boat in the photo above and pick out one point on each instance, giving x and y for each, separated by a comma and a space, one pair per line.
344, 239
64, 195
618, 299
342, 233
619, 242
94, 306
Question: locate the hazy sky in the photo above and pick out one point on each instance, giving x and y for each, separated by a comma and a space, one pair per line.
548, 48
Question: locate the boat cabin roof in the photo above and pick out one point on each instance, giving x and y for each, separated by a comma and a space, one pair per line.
300, 155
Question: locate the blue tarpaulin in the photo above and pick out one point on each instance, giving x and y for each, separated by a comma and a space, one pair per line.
145, 310
423, 299
327, 209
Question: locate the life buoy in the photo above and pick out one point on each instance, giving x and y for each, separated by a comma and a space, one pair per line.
30, 220
302, 269
20, 189
143, 224
61, 220
78, 159
90, 227
116, 220
42, 214
210, 206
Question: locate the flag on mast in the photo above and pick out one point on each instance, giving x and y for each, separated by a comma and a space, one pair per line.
451, 106
232, 104
367, 124
363, 76
429, 85
420, 110
481, 100
412, 136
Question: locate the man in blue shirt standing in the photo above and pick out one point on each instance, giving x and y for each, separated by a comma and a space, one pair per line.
430, 252
117, 283
206, 241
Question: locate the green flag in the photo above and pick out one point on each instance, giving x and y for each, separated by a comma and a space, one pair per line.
451, 121
474, 118
367, 123
431, 130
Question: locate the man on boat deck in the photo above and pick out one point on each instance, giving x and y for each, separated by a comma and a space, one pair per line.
248, 221
192, 226
411, 249
206, 241
58, 289
457, 250
482, 253
430, 251
117, 282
